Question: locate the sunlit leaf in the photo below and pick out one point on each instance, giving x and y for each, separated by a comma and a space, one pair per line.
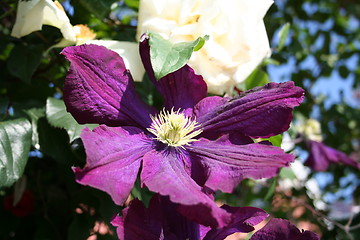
256, 79
35, 114
271, 190
276, 140
132, 3
58, 117
167, 57
15, 138
283, 34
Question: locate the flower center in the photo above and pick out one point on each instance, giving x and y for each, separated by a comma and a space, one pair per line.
174, 128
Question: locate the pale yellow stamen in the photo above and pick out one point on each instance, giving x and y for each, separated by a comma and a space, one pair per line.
174, 128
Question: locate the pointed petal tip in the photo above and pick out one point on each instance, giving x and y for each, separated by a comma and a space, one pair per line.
144, 37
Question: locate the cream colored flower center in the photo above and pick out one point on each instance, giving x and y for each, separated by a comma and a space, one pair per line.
174, 128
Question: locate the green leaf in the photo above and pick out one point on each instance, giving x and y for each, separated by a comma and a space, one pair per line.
271, 190
271, 61
344, 71
132, 3
54, 142
35, 114
167, 57
4, 104
19, 189
143, 194
287, 173
283, 33
24, 60
276, 140
79, 227
58, 117
256, 79
15, 138
100, 8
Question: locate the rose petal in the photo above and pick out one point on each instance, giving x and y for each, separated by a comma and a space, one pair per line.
164, 173
244, 220
282, 229
321, 156
113, 159
228, 164
99, 89
238, 41
260, 112
180, 89
32, 15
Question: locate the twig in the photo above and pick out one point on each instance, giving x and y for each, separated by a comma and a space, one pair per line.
346, 228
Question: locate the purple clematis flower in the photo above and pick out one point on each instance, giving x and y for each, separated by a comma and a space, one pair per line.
161, 221
321, 156
193, 147
281, 229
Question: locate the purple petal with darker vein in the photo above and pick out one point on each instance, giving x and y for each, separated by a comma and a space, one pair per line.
260, 112
161, 221
277, 229
228, 164
208, 104
137, 222
244, 220
99, 89
113, 159
180, 89
320, 156
164, 173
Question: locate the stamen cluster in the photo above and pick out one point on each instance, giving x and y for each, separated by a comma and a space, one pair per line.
174, 128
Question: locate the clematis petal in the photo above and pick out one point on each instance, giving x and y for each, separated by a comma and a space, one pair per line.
99, 89
227, 164
113, 159
161, 221
164, 173
282, 229
207, 105
137, 222
180, 89
260, 112
244, 220
321, 156
129, 51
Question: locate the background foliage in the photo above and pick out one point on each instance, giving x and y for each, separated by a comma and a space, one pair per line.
315, 43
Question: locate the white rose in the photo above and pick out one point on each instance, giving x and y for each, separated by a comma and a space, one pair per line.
238, 41
32, 15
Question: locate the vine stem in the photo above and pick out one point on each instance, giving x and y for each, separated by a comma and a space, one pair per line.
346, 228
